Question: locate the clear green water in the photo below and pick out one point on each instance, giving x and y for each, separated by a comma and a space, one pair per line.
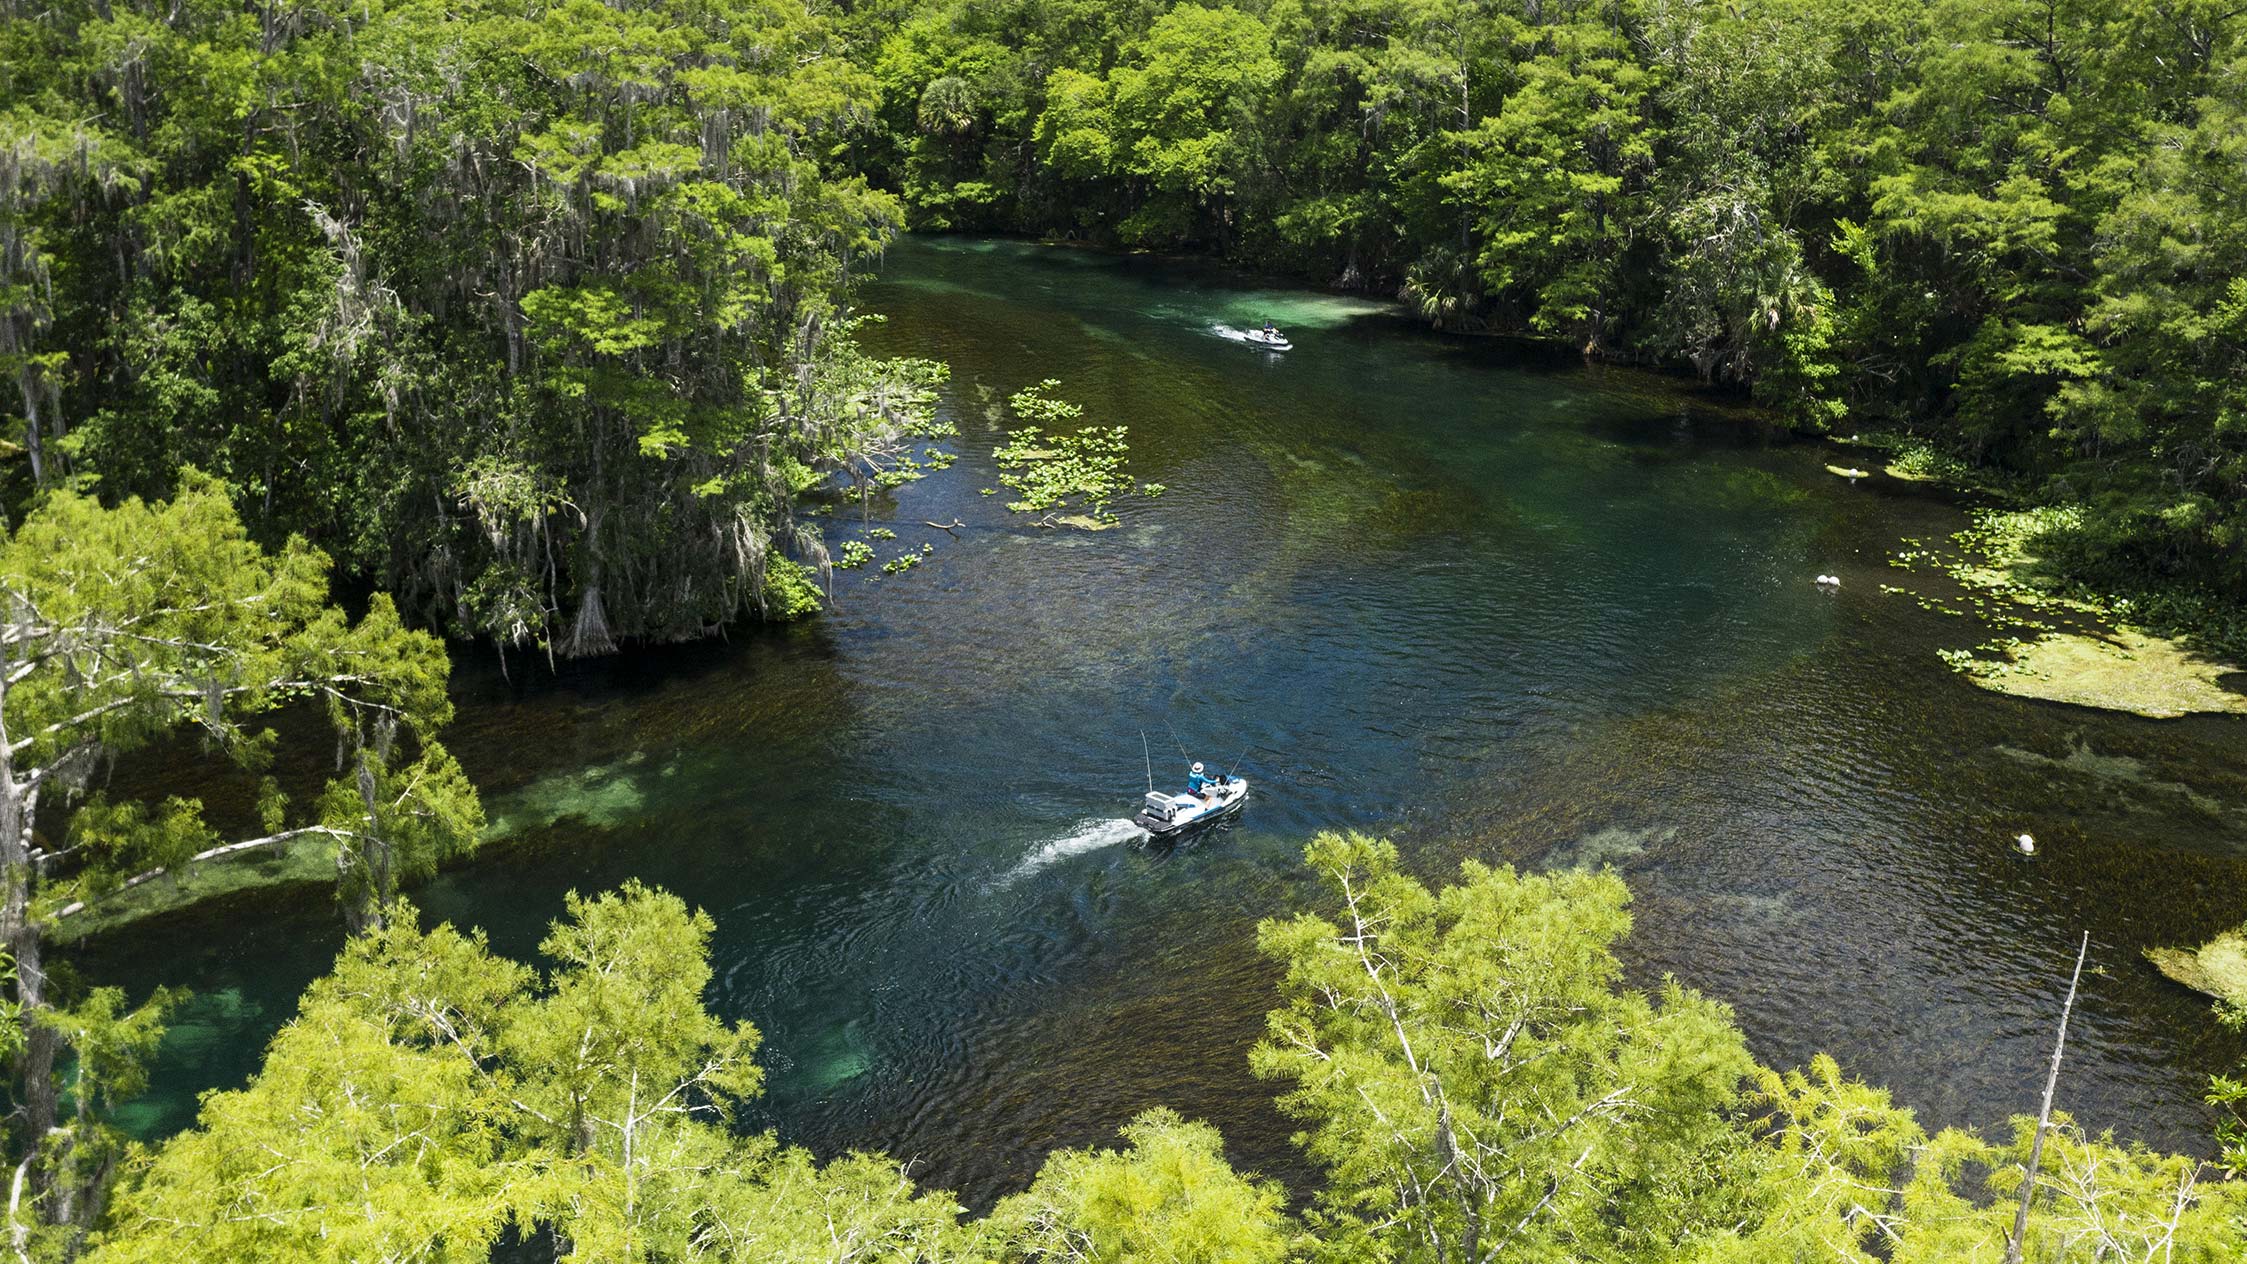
1471, 595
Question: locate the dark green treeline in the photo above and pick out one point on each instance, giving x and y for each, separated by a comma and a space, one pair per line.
527, 313
537, 314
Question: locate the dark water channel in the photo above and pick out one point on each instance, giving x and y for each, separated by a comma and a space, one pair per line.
1469, 595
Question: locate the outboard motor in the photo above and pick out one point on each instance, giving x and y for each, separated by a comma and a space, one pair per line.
1159, 807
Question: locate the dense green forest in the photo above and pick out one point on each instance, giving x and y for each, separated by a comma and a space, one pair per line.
529, 315
538, 317
536, 323
2012, 226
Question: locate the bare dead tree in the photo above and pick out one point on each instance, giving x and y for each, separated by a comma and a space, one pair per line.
2044, 1114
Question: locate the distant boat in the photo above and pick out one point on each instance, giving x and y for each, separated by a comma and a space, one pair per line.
1268, 339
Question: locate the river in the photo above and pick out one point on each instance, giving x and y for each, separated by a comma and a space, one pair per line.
1469, 594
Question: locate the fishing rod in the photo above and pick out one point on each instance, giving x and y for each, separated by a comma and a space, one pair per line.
1175, 740
1150, 756
1237, 761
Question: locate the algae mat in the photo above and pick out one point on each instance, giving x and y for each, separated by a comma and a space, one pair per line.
2125, 670
2218, 967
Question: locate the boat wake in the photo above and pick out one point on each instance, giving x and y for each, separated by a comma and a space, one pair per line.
1090, 836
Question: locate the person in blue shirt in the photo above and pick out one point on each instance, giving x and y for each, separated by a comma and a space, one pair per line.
1200, 784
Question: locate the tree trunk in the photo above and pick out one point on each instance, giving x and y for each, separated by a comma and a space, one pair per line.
381, 873
23, 937
2013, 1241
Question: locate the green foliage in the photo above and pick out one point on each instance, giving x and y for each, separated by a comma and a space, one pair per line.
139, 624
2011, 229
532, 316
2095, 1200
790, 592
429, 1094
1171, 1196
1475, 1083
1469, 1072
1472, 1079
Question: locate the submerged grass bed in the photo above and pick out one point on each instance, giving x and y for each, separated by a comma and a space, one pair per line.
2123, 670
2218, 967
2056, 647
310, 859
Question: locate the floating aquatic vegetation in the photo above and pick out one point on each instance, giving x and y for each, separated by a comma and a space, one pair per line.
1052, 470
856, 553
2218, 967
2121, 670
2055, 647
1915, 460
906, 470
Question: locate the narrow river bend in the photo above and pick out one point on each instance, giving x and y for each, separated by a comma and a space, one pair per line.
1471, 595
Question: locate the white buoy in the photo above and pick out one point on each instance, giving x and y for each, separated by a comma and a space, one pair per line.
2027, 844
1830, 581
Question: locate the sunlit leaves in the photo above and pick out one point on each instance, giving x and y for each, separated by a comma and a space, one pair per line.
1170, 1196
1468, 1072
429, 1096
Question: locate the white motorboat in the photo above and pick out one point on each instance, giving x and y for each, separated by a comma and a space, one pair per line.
1166, 816
1268, 339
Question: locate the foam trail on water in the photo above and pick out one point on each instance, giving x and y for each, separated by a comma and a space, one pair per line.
1089, 836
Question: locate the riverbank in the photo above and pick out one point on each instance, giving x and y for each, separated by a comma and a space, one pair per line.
2045, 636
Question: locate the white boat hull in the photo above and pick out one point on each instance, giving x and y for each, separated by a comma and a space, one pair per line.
1183, 813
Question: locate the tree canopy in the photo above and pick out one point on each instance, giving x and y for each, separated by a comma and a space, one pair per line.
534, 316
2011, 228
1474, 1082
540, 317
124, 627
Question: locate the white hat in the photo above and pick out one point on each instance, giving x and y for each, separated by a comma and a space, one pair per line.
1197, 765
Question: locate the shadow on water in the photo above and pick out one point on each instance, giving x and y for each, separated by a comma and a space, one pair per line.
1468, 594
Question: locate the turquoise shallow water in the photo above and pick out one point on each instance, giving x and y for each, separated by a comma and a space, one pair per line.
1473, 595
